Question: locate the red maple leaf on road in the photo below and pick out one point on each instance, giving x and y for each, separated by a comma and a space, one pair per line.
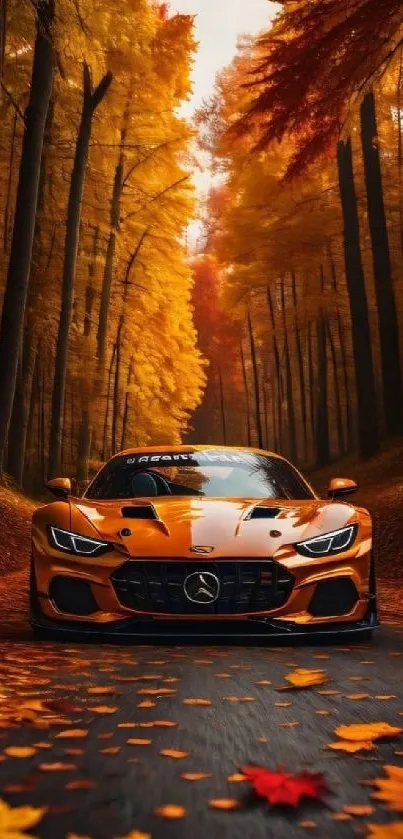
283, 788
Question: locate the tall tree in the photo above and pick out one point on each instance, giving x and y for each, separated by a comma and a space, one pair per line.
92, 98
12, 321
368, 425
387, 315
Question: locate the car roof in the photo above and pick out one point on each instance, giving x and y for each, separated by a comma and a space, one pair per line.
188, 449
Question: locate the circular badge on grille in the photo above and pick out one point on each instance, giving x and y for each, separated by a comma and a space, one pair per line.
202, 587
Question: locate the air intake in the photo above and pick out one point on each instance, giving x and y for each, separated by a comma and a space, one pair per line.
264, 513
139, 511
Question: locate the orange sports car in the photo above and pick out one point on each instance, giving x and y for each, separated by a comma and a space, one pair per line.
186, 541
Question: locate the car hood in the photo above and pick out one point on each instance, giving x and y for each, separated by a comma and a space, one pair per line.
226, 525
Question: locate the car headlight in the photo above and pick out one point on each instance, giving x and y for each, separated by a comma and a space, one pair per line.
331, 543
73, 543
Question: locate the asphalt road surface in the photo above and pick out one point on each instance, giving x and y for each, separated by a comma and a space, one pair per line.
74, 708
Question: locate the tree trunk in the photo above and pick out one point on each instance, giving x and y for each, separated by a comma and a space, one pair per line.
84, 447
222, 407
300, 365
91, 100
108, 396
322, 418
118, 185
277, 363
15, 297
22, 399
256, 387
387, 315
115, 409
3, 28
339, 410
292, 430
126, 408
341, 341
368, 427
246, 390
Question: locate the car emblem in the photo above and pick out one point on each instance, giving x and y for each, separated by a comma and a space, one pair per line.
201, 549
202, 587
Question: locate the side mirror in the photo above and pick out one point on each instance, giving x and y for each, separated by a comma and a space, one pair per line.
59, 487
338, 487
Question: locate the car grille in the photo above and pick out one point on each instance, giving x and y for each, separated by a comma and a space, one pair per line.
246, 586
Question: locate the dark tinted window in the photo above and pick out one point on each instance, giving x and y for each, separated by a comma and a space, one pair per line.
210, 474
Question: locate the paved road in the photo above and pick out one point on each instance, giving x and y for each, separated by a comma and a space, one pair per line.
99, 785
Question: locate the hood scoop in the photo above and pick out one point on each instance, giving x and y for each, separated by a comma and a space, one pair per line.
140, 511
263, 513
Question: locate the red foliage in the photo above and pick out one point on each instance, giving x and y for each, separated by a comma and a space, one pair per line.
163, 11
282, 788
317, 48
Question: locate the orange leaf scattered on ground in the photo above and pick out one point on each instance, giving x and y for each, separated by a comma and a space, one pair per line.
302, 678
224, 803
111, 750
156, 691
282, 788
20, 751
390, 789
103, 709
57, 767
358, 809
307, 823
237, 776
136, 834
195, 776
385, 831
175, 753
147, 703
196, 702
357, 696
72, 733
352, 746
171, 811
367, 731
83, 784
136, 741
14, 821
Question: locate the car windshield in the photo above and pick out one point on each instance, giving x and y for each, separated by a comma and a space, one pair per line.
210, 474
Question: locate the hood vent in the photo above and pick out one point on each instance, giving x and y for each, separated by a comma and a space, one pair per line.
140, 511
264, 513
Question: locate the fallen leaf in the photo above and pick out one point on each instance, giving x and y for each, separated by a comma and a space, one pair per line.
136, 834
175, 753
156, 691
195, 776
236, 777
72, 733
367, 731
357, 696
341, 817
103, 709
307, 824
302, 678
358, 809
83, 784
280, 787
394, 830
14, 821
171, 811
19, 751
224, 803
57, 767
390, 789
147, 703
283, 704
111, 750
196, 702
352, 746
385, 696
103, 690
135, 741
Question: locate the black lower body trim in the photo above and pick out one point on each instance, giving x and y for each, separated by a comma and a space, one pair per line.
241, 632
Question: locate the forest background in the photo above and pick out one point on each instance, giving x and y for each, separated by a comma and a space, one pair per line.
282, 327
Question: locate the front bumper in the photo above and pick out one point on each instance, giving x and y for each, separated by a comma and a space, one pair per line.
301, 612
